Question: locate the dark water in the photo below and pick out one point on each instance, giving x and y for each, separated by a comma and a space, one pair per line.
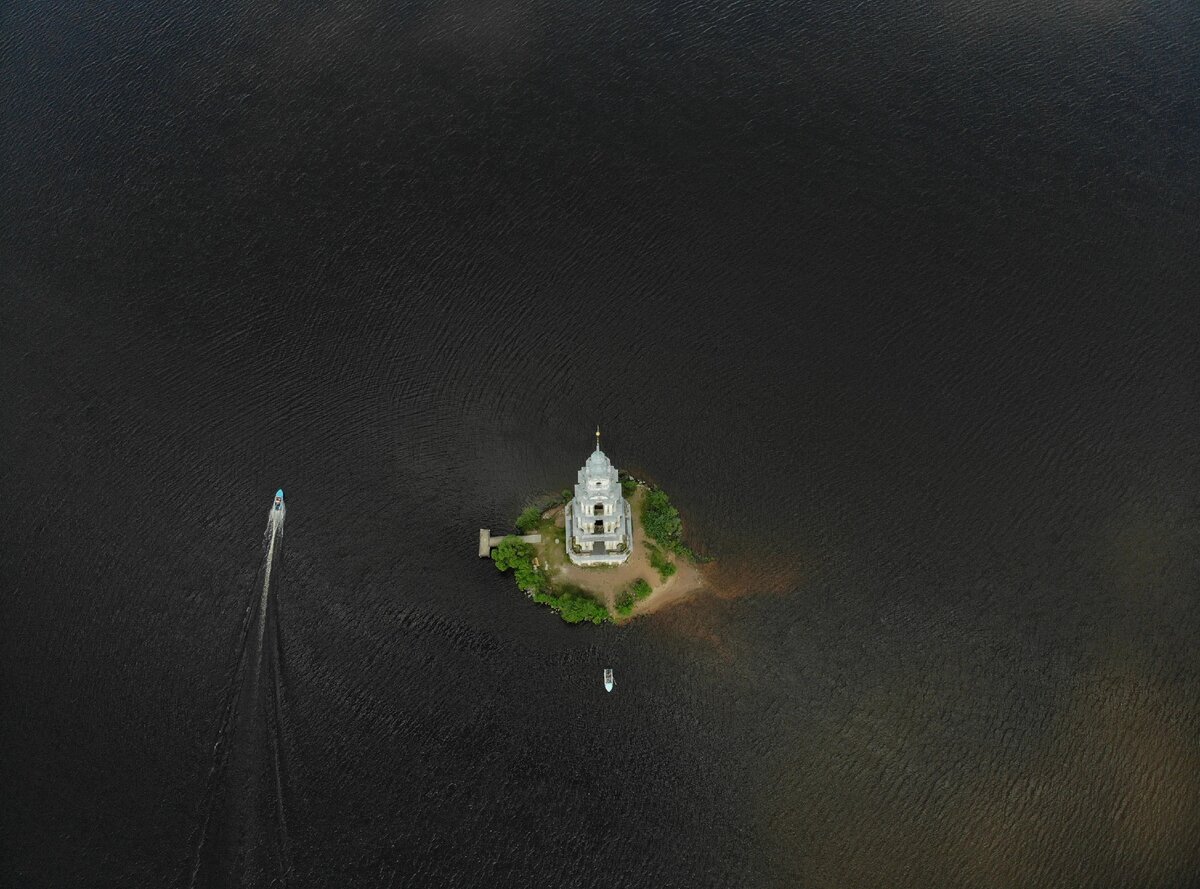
898, 301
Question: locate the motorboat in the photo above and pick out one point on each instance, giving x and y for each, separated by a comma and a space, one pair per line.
608, 679
278, 500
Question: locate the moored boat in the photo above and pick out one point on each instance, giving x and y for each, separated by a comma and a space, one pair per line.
608, 679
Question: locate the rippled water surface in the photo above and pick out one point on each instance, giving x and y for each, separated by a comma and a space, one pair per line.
897, 301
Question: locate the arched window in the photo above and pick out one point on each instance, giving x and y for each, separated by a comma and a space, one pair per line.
599, 527
598, 509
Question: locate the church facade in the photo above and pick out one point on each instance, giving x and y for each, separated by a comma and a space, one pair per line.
599, 523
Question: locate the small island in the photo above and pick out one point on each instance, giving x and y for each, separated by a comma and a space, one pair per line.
608, 551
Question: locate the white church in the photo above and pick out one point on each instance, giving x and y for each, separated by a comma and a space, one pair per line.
599, 522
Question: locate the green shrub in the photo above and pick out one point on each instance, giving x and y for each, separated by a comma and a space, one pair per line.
566, 495
625, 602
630, 596
661, 520
529, 520
574, 607
661, 563
628, 486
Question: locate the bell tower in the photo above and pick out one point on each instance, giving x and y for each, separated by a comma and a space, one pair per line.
599, 521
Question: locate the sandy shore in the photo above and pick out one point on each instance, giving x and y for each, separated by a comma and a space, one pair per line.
608, 581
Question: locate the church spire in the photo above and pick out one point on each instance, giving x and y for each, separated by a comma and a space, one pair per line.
597, 437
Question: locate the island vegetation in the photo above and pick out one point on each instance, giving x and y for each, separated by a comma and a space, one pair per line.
661, 522
571, 602
514, 553
528, 520
583, 594
661, 562
636, 591
574, 605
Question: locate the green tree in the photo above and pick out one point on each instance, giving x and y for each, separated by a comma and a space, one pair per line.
518, 555
511, 552
530, 578
528, 521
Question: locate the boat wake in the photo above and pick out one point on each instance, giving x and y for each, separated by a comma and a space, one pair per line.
242, 837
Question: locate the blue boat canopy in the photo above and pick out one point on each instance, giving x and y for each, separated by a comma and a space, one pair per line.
279, 493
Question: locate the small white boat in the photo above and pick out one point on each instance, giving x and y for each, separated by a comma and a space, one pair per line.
608, 679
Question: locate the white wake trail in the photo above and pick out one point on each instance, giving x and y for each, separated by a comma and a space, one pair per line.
276, 531
236, 701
